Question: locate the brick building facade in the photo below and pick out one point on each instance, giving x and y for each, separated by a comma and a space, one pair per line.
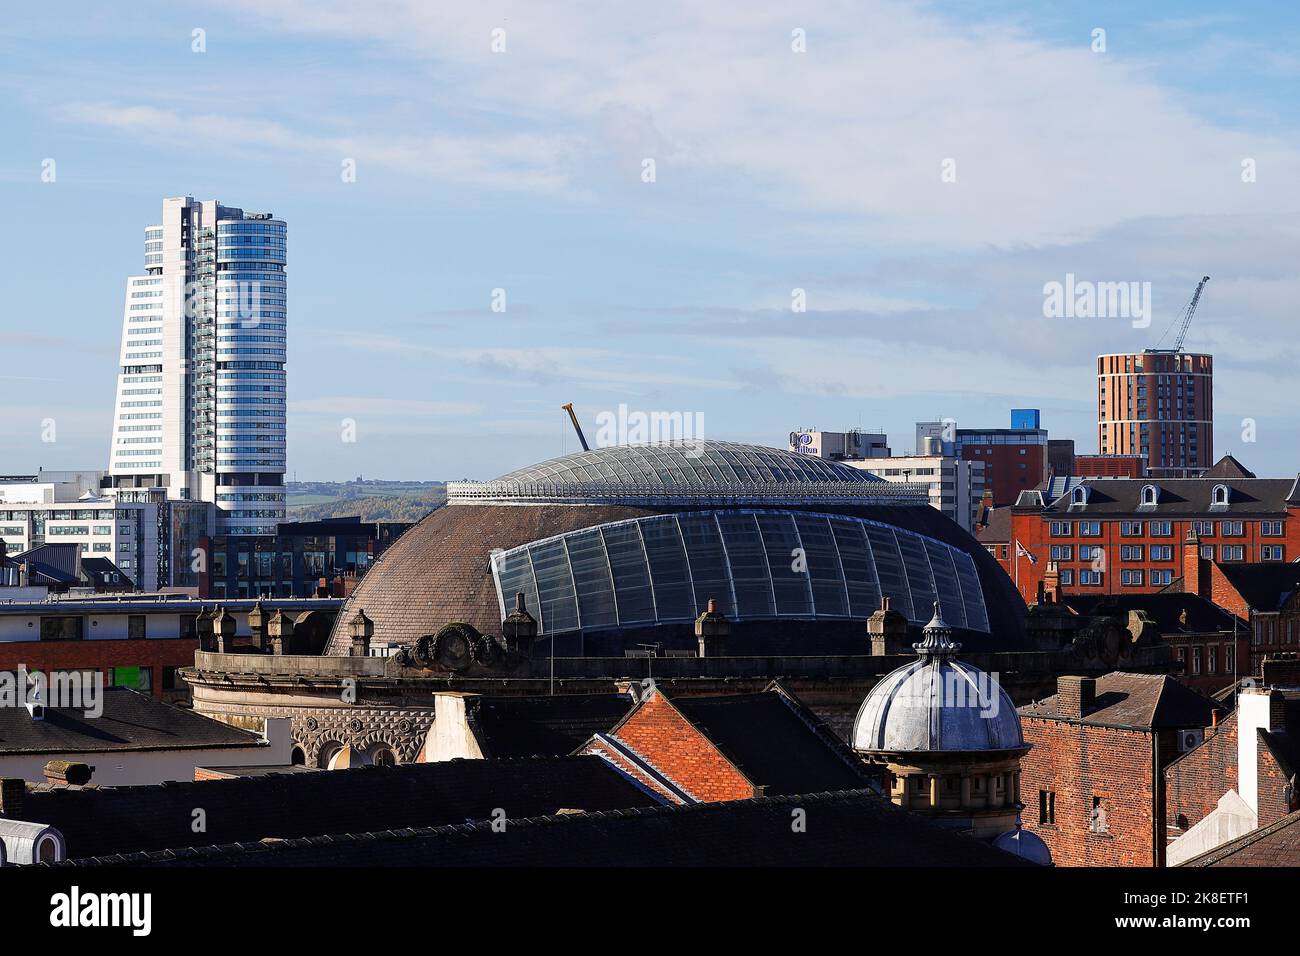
1243, 776
1119, 536
1091, 782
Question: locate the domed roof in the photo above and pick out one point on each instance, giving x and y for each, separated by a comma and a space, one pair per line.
718, 464
1026, 845
937, 703
687, 470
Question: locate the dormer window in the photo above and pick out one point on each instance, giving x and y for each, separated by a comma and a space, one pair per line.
1220, 495
1150, 494
1079, 496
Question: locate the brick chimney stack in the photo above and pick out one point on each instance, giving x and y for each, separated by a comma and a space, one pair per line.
1075, 696
519, 629
712, 630
66, 773
1051, 583
13, 794
888, 630
1196, 579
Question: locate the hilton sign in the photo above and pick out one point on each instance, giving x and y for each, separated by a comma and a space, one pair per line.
803, 443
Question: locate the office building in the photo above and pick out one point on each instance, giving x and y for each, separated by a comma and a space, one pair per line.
200, 406
1015, 459
840, 446
954, 486
1160, 405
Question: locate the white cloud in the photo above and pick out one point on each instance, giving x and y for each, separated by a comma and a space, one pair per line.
1051, 143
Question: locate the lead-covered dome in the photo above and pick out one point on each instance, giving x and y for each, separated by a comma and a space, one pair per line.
1026, 845
937, 703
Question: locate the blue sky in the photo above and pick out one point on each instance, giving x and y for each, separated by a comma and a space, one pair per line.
775, 170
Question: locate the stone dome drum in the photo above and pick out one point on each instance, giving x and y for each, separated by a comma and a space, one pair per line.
937, 704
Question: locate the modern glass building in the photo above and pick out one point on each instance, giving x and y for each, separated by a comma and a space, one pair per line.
758, 565
200, 408
621, 548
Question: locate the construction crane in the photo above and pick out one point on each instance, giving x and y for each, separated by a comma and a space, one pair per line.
568, 407
1185, 318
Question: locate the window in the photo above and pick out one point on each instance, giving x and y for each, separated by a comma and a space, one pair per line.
1196, 659
1231, 552
1150, 494
1270, 529
1161, 529
1271, 552
1062, 552
1233, 528
1060, 529
1162, 552
1090, 529
1207, 552
135, 627
1220, 495
1132, 552
1203, 529
1079, 496
62, 628
1097, 819
1090, 577
1067, 576
1130, 529
1211, 659
1046, 807
1130, 578
1161, 578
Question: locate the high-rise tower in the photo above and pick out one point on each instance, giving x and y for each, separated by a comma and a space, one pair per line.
200, 405
1158, 404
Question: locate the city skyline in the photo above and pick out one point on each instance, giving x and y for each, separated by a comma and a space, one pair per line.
469, 177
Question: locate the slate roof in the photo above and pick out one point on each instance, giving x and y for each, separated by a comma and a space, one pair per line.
1138, 700
1265, 587
996, 526
1228, 467
130, 721
1181, 496
54, 564
104, 573
1275, 845
775, 742
1164, 607
105, 820
541, 726
854, 828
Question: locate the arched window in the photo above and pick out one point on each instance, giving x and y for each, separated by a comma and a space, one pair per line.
49, 849
1220, 495
1079, 496
1150, 494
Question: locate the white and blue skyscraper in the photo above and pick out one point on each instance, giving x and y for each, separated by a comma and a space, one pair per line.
200, 407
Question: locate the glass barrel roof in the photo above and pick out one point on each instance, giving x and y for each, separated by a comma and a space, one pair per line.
699, 463
757, 564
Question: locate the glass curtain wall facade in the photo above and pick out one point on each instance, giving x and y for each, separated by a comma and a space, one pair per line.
757, 564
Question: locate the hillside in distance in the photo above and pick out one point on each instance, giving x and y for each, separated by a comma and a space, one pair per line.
370, 499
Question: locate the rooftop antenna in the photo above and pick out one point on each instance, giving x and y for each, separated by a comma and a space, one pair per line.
568, 407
